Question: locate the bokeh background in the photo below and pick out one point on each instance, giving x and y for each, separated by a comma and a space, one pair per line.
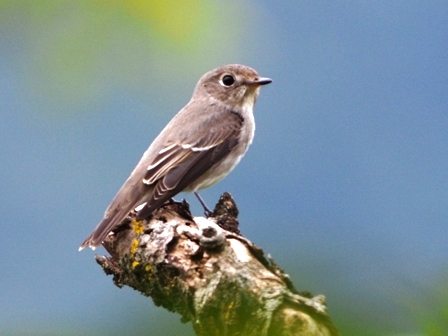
345, 185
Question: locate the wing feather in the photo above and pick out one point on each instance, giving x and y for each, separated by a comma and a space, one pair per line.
190, 152
180, 147
186, 172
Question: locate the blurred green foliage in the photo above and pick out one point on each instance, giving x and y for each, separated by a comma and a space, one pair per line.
432, 310
73, 53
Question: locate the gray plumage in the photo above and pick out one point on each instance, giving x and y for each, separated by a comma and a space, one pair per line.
197, 148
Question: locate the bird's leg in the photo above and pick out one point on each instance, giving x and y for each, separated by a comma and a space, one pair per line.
207, 211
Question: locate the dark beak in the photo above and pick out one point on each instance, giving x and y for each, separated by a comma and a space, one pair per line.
261, 81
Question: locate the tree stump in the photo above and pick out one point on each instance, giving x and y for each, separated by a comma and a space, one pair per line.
203, 269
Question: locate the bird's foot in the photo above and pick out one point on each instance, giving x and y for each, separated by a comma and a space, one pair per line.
207, 212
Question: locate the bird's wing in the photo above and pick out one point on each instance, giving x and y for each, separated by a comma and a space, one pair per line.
184, 157
181, 163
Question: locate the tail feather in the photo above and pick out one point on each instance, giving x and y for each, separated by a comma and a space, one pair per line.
132, 193
121, 205
105, 226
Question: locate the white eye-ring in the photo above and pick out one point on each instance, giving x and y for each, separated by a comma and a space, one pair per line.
227, 80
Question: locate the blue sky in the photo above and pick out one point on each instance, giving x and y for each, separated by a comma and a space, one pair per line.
345, 184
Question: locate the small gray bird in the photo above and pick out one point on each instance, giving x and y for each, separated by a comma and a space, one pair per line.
198, 147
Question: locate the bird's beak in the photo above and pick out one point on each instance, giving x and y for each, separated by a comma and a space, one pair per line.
260, 81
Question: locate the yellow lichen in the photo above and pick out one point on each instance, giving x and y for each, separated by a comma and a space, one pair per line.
135, 263
134, 246
229, 309
138, 226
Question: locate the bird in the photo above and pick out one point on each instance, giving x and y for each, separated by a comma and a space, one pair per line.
201, 145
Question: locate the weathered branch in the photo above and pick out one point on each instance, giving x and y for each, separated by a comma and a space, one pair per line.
209, 274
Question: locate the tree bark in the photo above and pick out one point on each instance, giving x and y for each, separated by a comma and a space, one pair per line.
203, 269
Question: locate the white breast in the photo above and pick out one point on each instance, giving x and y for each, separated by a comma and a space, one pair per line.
223, 168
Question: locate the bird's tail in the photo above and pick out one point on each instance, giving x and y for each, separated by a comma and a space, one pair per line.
112, 218
128, 197
131, 194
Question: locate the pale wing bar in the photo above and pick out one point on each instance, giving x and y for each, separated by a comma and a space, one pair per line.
185, 173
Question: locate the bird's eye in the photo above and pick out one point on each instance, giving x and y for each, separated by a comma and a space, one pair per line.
228, 80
